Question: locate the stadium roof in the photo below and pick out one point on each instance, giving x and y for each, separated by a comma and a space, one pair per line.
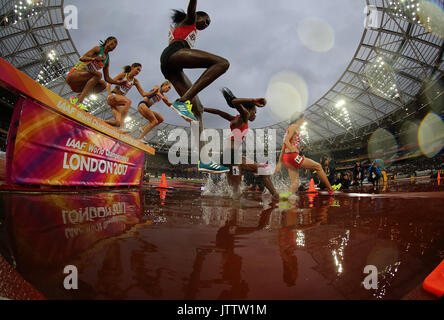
393, 63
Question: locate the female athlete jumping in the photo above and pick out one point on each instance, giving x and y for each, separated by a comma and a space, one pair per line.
85, 77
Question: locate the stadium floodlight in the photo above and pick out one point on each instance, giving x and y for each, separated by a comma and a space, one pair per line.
94, 103
21, 11
340, 103
26, 9
381, 78
51, 70
406, 9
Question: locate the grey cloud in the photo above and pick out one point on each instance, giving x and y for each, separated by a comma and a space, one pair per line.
258, 37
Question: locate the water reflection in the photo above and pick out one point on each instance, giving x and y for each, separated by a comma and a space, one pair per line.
179, 245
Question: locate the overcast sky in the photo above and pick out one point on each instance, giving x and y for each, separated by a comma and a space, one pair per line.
258, 37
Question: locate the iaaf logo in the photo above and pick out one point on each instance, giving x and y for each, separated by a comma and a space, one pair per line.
222, 151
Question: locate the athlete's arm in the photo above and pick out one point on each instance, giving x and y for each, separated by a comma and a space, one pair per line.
155, 90
109, 79
191, 13
165, 100
237, 103
139, 88
260, 102
222, 114
91, 55
120, 76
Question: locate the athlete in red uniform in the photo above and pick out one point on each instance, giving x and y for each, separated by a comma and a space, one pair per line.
179, 55
239, 130
293, 160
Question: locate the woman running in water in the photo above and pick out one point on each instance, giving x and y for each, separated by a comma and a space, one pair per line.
85, 77
117, 99
239, 128
293, 161
154, 118
180, 55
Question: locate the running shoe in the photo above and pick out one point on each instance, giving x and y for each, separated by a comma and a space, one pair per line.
74, 100
337, 187
184, 110
82, 107
212, 167
144, 142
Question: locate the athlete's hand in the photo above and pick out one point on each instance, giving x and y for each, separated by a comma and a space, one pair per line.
260, 102
98, 58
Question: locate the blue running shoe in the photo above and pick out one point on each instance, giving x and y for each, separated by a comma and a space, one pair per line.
184, 110
212, 167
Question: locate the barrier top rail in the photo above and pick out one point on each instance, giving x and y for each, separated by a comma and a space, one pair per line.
16, 81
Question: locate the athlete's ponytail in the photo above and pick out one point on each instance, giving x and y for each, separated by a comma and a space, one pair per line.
178, 16
229, 97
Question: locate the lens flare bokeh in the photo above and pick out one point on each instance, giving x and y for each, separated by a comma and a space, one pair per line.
316, 34
409, 136
431, 135
382, 145
435, 97
431, 15
287, 95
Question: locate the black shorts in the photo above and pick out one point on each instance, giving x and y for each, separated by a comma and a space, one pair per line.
167, 53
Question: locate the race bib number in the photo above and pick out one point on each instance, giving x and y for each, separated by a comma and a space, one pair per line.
236, 171
298, 159
191, 39
95, 65
125, 88
170, 35
154, 99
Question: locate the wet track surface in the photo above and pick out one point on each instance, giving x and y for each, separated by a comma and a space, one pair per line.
176, 244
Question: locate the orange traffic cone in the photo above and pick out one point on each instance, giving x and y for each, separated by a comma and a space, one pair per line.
434, 283
311, 188
163, 182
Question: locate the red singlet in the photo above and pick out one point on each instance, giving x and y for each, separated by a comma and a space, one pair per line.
236, 135
187, 33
